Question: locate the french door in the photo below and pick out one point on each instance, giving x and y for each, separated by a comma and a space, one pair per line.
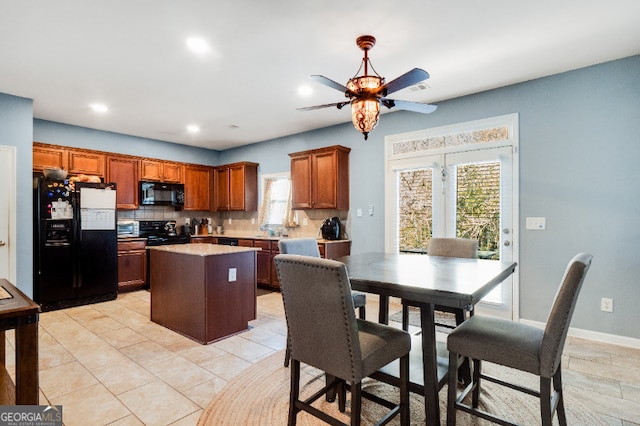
467, 193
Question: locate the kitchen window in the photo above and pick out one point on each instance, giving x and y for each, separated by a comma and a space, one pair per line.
275, 209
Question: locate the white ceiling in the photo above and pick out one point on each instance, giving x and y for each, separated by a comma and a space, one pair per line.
131, 55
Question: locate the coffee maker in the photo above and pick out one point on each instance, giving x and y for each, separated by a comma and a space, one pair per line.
332, 229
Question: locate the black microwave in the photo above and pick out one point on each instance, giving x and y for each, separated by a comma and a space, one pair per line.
161, 194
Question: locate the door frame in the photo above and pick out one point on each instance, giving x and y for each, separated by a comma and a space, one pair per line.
8, 198
493, 132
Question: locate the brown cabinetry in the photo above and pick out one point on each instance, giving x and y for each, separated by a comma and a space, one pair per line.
197, 187
236, 187
44, 156
86, 163
320, 178
160, 171
204, 240
132, 264
124, 172
264, 261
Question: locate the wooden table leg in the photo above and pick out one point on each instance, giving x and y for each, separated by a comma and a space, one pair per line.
430, 360
27, 392
383, 314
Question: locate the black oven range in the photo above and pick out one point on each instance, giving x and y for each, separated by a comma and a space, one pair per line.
161, 232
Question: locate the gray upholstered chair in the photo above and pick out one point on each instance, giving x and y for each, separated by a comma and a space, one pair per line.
518, 346
447, 247
327, 335
309, 247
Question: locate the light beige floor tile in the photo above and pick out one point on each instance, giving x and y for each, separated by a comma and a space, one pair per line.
180, 373
147, 353
158, 403
103, 324
189, 420
159, 334
91, 405
64, 379
98, 355
204, 393
130, 420
616, 372
226, 366
122, 337
123, 376
201, 353
84, 313
243, 348
182, 344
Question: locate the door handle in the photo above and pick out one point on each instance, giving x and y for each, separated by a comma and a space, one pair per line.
506, 243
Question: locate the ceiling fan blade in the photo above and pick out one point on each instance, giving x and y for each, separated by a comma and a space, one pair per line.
409, 106
328, 82
407, 79
339, 105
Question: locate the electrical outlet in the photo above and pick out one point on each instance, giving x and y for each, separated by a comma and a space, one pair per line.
358, 212
370, 209
232, 274
606, 305
305, 222
253, 220
229, 221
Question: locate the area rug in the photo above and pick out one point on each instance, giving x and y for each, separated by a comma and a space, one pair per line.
260, 397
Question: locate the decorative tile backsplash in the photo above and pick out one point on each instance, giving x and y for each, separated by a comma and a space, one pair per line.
241, 224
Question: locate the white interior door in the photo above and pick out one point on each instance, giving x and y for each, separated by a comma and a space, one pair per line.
7, 214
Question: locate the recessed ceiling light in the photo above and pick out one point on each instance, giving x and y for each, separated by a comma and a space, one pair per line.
198, 45
99, 108
192, 128
305, 90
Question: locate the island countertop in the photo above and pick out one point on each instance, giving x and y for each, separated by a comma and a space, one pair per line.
203, 249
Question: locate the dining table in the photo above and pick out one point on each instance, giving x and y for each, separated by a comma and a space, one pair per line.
425, 281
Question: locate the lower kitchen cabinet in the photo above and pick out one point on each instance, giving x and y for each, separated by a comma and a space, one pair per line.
132, 264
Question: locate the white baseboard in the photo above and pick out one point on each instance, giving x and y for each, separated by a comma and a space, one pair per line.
593, 335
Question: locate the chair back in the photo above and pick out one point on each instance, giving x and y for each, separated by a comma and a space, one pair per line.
453, 247
322, 326
300, 246
557, 327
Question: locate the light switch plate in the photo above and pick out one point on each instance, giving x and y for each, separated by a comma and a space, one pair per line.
232, 274
358, 212
536, 223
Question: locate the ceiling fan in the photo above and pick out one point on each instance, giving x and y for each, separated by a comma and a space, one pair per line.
367, 92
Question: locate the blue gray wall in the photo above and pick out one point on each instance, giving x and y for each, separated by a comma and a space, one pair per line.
579, 154
16, 129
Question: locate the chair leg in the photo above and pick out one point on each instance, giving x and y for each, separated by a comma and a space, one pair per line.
356, 403
295, 392
362, 312
451, 391
557, 386
404, 391
477, 370
545, 401
287, 353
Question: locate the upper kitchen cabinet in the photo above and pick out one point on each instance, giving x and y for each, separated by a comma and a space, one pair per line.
320, 178
236, 187
124, 172
86, 163
160, 171
48, 156
197, 187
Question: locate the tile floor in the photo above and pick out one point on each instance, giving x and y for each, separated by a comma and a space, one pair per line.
108, 364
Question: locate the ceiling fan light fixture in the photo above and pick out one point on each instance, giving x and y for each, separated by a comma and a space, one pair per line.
364, 115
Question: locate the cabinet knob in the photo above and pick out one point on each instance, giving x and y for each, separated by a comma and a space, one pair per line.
2, 243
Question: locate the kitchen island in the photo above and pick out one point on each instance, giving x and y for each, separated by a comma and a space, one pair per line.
203, 291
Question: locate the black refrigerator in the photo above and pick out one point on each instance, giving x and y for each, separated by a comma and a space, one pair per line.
75, 243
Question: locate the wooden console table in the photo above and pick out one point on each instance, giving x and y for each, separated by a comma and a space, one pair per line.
19, 312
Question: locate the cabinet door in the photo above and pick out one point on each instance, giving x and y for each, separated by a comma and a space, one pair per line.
124, 172
301, 182
88, 163
132, 269
323, 180
236, 188
197, 188
221, 189
264, 267
49, 157
172, 172
151, 170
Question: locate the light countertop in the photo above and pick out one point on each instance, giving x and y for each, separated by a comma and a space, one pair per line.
202, 249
